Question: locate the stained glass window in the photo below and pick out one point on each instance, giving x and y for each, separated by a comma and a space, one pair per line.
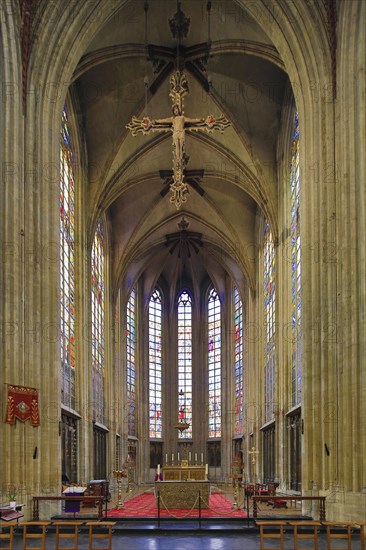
214, 364
238, 351
97, 322
295, 266
185, 362
67, 265
155, 361
269, 324
131, 363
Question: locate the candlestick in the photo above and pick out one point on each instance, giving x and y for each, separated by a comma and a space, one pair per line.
119, 474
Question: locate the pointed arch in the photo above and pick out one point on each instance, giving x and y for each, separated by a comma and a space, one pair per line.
67, 265
98, 323
131, 362
155, 365
238, 362
184, 303
214, 364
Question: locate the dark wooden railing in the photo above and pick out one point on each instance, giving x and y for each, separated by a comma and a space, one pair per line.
98, 499
257, 499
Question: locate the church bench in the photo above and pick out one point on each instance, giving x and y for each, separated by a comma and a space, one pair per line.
361, 526
8, 534
301, 529
100, 530
273, 530
35, 530
338, 530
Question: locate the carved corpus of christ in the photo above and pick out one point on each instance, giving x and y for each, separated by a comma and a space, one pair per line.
178, 124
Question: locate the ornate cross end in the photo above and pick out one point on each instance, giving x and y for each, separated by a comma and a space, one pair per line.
179, 192
178, 89
216, 123
137, 125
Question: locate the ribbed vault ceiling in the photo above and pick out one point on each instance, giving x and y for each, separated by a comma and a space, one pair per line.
231, 175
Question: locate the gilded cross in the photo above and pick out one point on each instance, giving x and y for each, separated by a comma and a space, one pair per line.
178, 124
253, 452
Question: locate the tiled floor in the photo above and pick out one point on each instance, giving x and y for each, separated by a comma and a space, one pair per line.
165, 540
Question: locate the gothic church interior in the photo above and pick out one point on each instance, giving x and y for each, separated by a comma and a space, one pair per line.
213, 277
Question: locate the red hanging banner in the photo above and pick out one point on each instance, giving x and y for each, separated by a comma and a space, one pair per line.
22, 404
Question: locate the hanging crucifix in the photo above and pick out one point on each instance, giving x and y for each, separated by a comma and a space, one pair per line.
178, 124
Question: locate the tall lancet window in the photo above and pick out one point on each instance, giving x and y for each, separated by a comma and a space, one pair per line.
214, 364
269, 324
238, 351
97, 322
185, 362
131, 362
67, 265
295, 266
155, 363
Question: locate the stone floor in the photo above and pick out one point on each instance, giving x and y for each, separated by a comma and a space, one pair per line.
186, 535
187, 541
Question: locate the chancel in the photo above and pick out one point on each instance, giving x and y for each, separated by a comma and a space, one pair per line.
183, 264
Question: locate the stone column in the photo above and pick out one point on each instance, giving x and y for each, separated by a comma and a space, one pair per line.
351, 207
12, 235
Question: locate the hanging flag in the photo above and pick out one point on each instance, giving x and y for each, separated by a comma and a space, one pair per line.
22, 403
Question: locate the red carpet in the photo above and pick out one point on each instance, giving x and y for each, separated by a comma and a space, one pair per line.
144, 505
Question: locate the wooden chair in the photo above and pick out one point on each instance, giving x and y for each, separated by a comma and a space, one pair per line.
7, 536
62, 534
38, 535
331, 535
279, 535
275, 502
249, 490
301, 535
107, 534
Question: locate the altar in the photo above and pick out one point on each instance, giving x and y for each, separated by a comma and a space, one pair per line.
183, 494
184, 473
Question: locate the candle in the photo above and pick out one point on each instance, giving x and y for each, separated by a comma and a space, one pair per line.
189, 457
201, 458
158, 470
178, 457
172, 457
206, 470
195, 457
166, 458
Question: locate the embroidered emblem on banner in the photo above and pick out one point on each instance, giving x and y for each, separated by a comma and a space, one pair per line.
22, 403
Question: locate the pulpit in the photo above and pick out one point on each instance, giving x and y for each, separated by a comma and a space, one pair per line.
73, 491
